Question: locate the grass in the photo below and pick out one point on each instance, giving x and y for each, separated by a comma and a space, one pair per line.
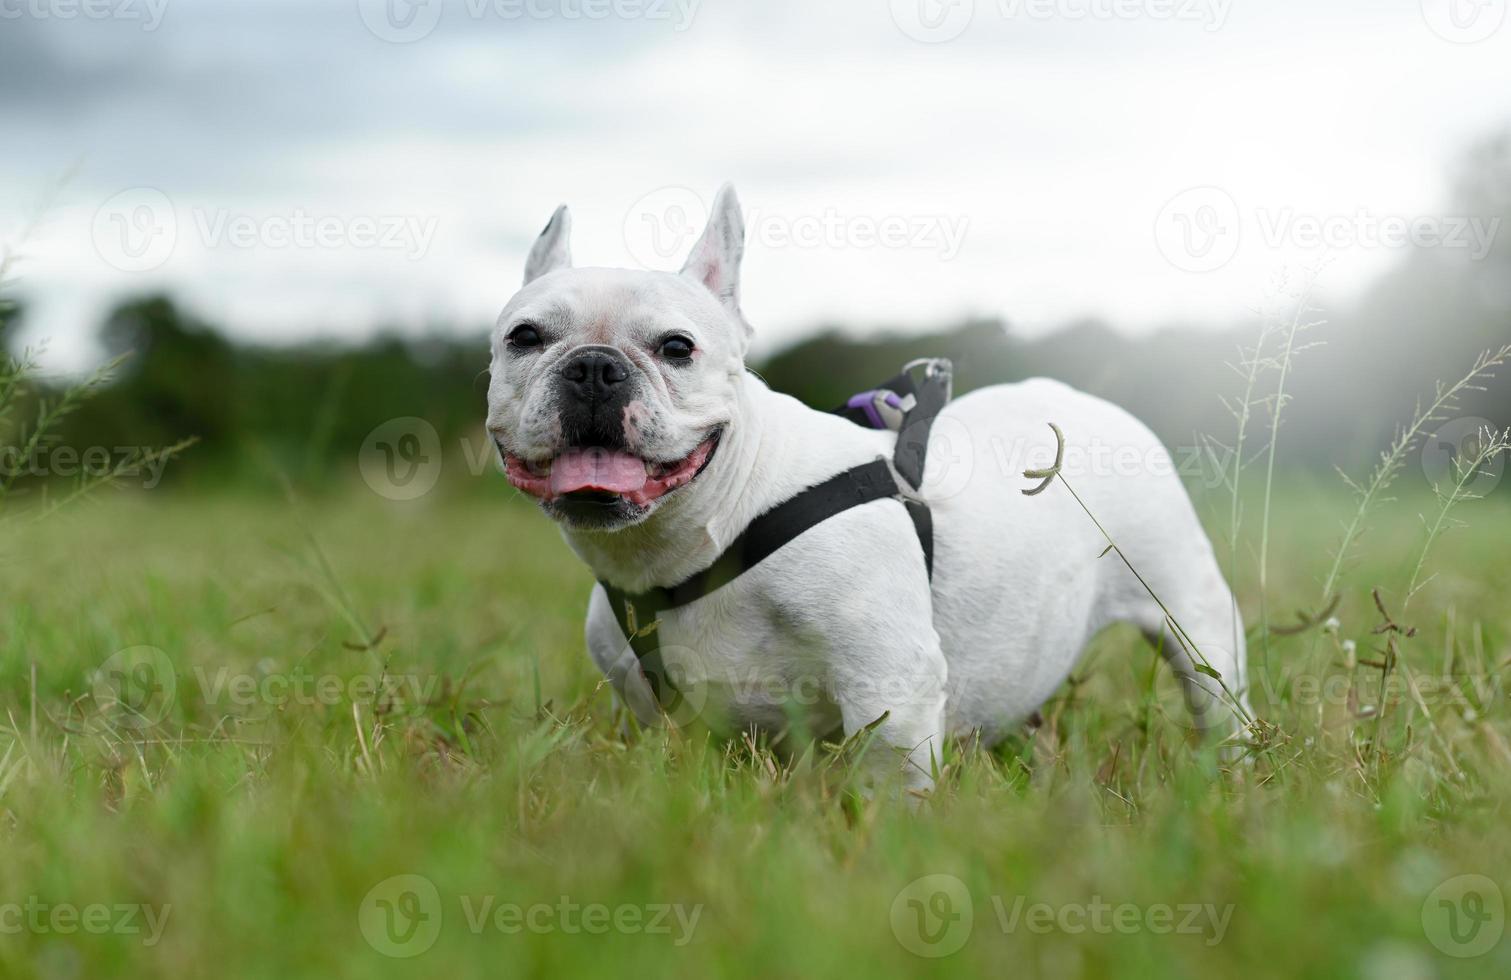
259, 809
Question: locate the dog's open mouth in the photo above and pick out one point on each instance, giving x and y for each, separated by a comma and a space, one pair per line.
591, 472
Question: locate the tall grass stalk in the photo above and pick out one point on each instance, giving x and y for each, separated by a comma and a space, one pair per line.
1393, 458
1232, 461
1491, 446
1198, 659
1250, 366
19, 384
1287, 352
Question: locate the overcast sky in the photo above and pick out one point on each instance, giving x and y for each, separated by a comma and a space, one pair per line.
299, 169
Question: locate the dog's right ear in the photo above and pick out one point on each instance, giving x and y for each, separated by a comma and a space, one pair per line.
553, 249
715, 259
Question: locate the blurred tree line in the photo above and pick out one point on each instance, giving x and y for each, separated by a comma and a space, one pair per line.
303, 411
307, 409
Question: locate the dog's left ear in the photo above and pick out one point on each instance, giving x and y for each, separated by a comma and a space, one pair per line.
715, 260
553, 249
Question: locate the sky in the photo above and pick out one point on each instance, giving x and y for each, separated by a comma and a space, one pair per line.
298, 170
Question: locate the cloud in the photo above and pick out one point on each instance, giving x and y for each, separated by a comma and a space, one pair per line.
1059, 137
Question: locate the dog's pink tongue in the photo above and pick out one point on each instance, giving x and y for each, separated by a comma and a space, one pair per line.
597, 469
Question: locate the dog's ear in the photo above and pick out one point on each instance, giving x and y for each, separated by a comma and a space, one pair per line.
715, 260
553, 249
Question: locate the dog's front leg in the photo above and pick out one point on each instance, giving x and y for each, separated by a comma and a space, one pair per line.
897, 721
872, 602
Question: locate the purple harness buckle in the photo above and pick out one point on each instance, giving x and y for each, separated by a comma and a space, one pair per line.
866, 402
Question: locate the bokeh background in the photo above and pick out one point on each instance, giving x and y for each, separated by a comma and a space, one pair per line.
296, 220
299, 219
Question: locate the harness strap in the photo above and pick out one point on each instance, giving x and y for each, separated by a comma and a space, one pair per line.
923, 524
638, 612
915, 403
913, 438
927, 397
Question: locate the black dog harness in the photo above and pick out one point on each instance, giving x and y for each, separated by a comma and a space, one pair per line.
902, 404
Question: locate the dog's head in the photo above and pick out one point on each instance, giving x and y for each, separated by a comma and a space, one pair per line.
610, 388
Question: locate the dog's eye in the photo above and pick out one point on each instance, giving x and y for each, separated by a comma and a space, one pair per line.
525, 336
676, 348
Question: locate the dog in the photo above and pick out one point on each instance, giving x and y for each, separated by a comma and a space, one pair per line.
620, 401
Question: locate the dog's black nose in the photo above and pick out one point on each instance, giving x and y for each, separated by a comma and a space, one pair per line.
593, 373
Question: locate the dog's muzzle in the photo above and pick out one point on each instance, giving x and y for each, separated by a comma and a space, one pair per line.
596, 388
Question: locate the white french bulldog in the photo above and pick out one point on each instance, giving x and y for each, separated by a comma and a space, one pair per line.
621, 401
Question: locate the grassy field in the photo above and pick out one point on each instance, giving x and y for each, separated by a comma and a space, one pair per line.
261, 812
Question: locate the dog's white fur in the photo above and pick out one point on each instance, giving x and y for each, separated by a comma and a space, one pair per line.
844, 621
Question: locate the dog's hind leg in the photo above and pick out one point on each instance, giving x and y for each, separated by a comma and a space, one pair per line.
1207, 652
